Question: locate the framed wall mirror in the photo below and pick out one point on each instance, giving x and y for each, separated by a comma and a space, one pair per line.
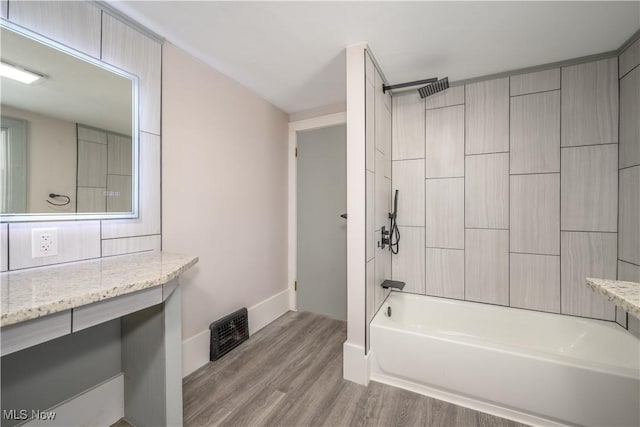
68, 134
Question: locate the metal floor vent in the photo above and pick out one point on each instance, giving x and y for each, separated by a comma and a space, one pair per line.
228, 332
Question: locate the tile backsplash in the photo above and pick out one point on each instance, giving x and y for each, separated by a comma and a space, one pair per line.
85, 26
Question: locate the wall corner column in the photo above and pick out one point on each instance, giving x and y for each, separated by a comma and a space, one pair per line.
355, 363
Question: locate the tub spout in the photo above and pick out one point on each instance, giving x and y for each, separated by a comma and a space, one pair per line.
392, 284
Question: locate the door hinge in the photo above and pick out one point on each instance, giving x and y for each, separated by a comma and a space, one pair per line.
296, 151
295, 286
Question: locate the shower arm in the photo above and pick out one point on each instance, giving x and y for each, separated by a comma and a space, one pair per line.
385, 88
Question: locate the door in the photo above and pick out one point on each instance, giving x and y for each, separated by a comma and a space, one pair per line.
322, 233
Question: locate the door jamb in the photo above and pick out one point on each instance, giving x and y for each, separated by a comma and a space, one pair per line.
328, 120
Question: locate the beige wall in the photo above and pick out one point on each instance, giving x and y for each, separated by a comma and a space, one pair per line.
51, 168
224, 189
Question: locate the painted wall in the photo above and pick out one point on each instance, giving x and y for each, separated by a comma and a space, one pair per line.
508, 189
629, 175
51, 159
224, 191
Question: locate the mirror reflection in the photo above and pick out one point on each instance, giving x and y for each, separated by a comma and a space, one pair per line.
66, 130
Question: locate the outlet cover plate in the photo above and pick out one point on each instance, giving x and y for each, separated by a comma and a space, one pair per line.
44, 242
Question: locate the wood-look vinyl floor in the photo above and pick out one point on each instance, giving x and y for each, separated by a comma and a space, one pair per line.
290, 374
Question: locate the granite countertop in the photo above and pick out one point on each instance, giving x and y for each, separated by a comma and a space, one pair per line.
32, 293
623, 294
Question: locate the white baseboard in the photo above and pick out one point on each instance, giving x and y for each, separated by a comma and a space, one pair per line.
101, 405
477, 405
355, 364
265, 312
195, 350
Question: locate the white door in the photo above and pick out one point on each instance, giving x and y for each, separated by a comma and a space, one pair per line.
321, 231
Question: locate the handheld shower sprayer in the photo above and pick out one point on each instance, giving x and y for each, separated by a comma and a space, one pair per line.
394, 232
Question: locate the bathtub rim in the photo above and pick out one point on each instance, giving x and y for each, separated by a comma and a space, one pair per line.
611, 369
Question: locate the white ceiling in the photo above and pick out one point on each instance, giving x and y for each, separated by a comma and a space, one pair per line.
292, 53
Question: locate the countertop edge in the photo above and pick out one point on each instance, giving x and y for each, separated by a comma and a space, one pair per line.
600, 286
52, 307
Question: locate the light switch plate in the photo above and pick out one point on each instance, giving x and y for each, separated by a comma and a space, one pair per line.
44, 242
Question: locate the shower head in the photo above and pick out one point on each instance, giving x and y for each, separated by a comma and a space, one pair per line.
435, 87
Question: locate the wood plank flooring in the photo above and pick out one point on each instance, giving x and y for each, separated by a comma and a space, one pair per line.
290, 374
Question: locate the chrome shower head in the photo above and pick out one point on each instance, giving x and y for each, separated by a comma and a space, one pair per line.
435, 87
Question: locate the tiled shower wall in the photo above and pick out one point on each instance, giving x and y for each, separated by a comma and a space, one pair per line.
629, 175
100, 33
509, 189
378, 186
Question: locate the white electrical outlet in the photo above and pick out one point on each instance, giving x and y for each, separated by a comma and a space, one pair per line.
44, 242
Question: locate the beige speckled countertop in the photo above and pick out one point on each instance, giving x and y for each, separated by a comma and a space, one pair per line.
623, 294
37, 292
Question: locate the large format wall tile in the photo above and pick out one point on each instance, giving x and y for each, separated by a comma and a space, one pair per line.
371, 289
370, 215
535, 133
383, 124
77, 240
130, 245
119, 193
445, 273
382, 98
540, 81
587, 255
487, 116
445, 142
589, 188
383, 139
91, 199
590, 103
621, 317
73, 23
451, 96
92, 164
370, 126
535, 282
630, 119
445, 213
4, 247
408, 265
383, 272
629, 233
408, 179
119, 155
628, 272
486, 263
136, 53
149, 194
629, 58
535, 214
408, 127
382, 194
370, 68
487, 191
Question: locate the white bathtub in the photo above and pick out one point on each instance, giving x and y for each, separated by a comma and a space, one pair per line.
529, 366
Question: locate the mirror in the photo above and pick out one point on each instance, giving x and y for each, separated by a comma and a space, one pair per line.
68, 134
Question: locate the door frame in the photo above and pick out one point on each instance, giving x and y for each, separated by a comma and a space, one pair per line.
319, 122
